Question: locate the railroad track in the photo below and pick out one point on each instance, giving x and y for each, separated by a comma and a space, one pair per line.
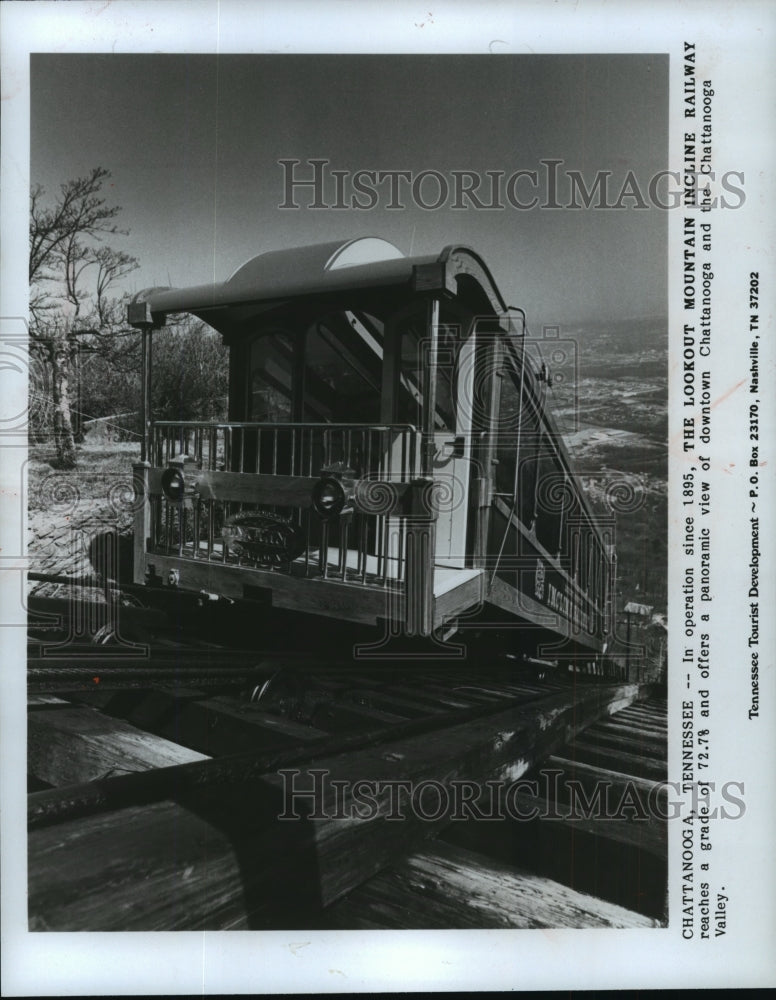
198, 787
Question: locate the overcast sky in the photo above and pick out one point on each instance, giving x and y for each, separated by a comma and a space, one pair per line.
193, 144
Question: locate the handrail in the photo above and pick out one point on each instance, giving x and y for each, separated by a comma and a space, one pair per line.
284, 426
554, 562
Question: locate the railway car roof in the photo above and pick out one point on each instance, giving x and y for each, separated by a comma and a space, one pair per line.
320, 269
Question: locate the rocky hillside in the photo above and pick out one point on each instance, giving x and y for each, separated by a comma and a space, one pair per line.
612, 405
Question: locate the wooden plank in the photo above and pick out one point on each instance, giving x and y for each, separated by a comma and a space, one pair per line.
44, 700
458, 599
655, 720
589, 752
645, 834
69, 745
579, 797
444, 886
591, 774
659, 732
655, 749
635, 732
649, 721
640, 804
225, 860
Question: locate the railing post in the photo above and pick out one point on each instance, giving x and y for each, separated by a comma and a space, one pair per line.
142, 520
420, 546
430, 387
145, 440
139, 316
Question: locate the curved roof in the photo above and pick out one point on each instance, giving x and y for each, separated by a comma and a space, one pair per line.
319, 269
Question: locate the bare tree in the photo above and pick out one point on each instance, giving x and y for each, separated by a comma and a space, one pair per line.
112, 265
65, 240
191, 365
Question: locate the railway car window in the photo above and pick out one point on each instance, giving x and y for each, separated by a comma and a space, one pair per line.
518, 438
341, 379
271, 383
508, 423
584, 545
576, 545
506, 453
570, 526
589, 576
550, 497
603, 579
530, 433
412, 371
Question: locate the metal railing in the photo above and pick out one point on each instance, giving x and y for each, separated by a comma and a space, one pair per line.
359, 546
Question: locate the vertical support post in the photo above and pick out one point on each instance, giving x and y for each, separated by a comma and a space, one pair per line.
149, 397
420, 544
143, 399
628, 645
139, 316
430, 387
561, 518
145, 441
142, 525
484, 446
420, 539
391, 371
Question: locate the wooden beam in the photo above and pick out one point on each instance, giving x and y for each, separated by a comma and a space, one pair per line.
590, 775
646, 721
219, 857
634, 732
646, 716
588, 751
346, 601
651, 747
644, 834
443, 886
458, 599
638, 805
67, 745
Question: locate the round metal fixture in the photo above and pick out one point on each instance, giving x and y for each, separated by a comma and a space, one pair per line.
328, 497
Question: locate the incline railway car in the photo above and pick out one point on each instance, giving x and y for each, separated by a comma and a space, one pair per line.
387, 458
